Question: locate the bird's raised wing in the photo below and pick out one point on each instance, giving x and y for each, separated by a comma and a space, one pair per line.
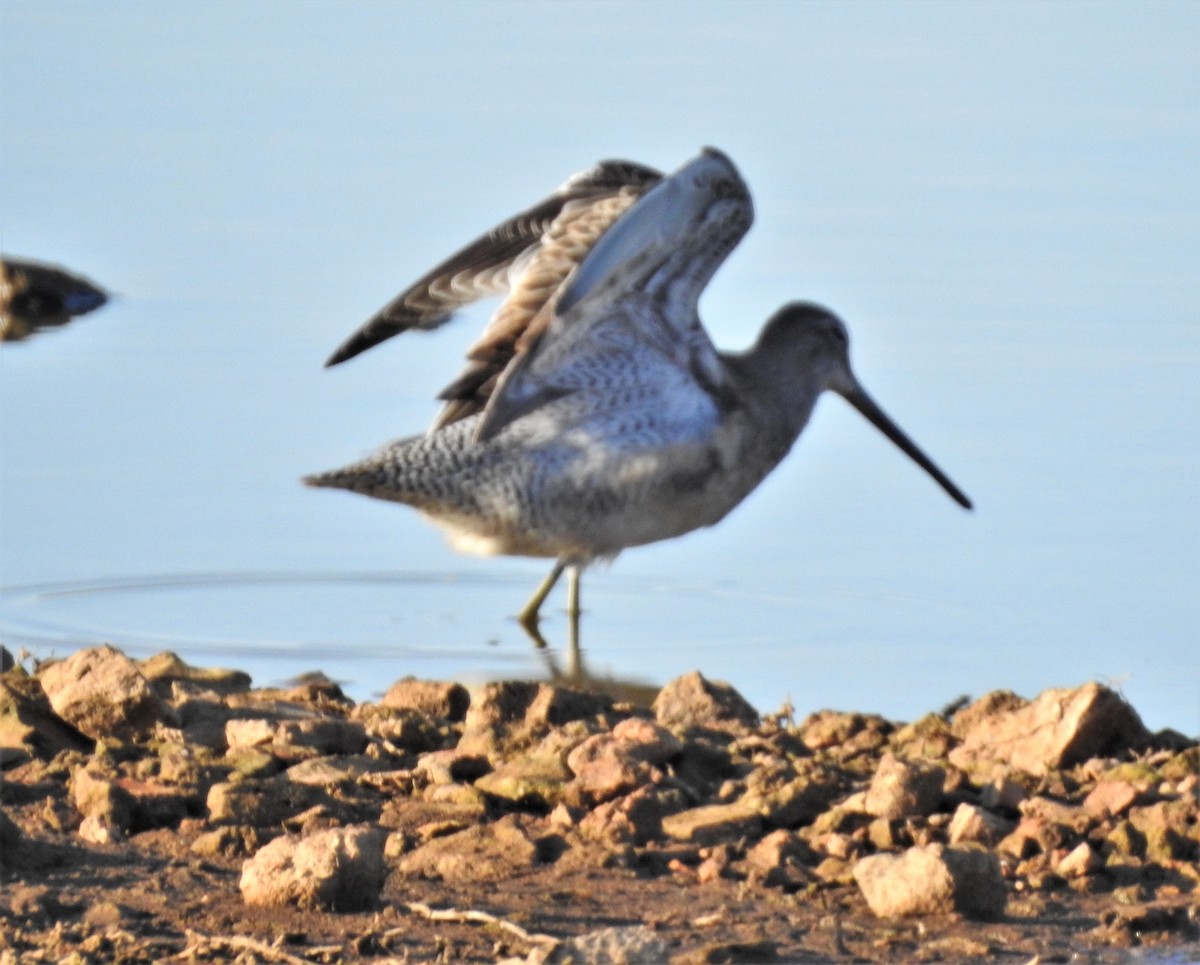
635, 294
529, 255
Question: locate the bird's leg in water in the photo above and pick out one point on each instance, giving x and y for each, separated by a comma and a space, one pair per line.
528, 617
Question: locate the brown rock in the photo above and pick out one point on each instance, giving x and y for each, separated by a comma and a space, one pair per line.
779, 858
405, 730
928, 737
1170, 829
28, 723
1079, 862
451, 766
165, 670
101, 692
633, 819
1031, 836
647, 741
694, 701
1068, 816
202, 718
10, 840
340, 869
249, 732
605, 768
989, 705
932, 880
484, 852
904, 789
845, 734
972, 824
325, 735
628, 945
230, 842
1002, 793
101, 799
436, 698
529, 779
1058, 729
712, 823
796, 802
340, 769
516, 713
260, 803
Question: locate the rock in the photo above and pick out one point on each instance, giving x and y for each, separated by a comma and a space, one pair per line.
989, 705
517, 713
1003, 794
1068, 816
29, 724
332, 771
1079, 862
977, 825
325, 735
261, 803
1059, 729
452, 766
712, 823
904, 789
1110, 799
629, 945
103, 801
1171, 830
203, 719
10, 840
1184, 765
405, 730
606, 767
485, 852
340, 869
95, 830
729, 953
848, 735
438, 699
932, 880
1033, 835
795, 802
635, 818
647, 741
694, 701
165, 670
929, 737
102, 693
249, 732
531, 779
230, 842
779, 859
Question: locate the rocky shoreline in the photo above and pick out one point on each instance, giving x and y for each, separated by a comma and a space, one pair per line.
153, 811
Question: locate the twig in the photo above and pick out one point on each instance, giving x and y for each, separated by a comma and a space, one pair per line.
475, 915
197, 942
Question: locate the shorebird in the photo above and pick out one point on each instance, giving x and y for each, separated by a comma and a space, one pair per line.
35, 295
598, 415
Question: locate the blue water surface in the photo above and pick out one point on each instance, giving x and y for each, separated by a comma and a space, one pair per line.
1000, 199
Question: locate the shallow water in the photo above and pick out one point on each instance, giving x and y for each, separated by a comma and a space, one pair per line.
1000, 200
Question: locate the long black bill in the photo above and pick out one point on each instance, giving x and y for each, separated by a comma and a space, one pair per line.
879, 419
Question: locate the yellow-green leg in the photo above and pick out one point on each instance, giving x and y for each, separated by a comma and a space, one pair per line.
574, 654
529, 616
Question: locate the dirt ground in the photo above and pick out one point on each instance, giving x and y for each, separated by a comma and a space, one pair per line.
150, 900
133, 850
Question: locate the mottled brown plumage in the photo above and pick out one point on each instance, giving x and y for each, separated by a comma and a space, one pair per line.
531, 257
